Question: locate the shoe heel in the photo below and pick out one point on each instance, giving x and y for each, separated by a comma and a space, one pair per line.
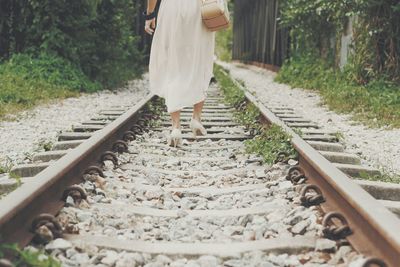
175, 139
197, 128
175, 142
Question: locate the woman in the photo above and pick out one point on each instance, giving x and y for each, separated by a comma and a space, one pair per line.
181, 60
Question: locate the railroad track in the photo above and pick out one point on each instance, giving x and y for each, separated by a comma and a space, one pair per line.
207, 203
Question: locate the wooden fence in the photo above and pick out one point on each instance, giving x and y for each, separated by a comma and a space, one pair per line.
257, 36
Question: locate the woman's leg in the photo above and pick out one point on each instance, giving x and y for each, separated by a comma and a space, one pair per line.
197, 110
176, 119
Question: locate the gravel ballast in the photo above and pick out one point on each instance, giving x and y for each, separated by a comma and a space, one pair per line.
30, 129
129, 206
378, 147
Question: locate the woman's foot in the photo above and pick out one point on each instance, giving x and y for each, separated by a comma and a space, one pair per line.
197, 127
175, 138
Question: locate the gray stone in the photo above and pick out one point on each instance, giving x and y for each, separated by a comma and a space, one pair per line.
110, 258
179, 263
265, 264
138, 258
279, 260
325, 245
81, 258
153, 194
192, 263
59, 243
285, 185
70, 252
359, 262
341, 253
300, 228
259, 220
233, 263
294, 220
126, 260
260, 173
154, 264
208, 261
83, 216
163, 259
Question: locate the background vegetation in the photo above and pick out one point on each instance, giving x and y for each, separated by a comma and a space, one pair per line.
59, 48
369, 85
224, 39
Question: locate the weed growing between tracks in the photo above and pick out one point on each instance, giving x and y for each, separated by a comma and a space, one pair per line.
383, 177
269, 141
28, 257
156, 108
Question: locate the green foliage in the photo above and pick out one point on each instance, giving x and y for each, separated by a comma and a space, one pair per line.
6, 166
377, 103
28, 257
157, 107
232, 93
249, 117
51, 69
224, 39
385, 177
312, 23
223, 44
270, 143
97, 36
377, 41
316, 24
26, 81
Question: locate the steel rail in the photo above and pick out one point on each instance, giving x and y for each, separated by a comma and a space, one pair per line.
375, 228
43, 195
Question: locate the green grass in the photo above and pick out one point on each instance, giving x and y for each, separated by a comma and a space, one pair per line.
376, 103
28, 257
27, 81
383, 177
6, 166
269, 142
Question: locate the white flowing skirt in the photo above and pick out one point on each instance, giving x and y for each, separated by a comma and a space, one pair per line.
182, 53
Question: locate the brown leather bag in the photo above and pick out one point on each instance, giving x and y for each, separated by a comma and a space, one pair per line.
215, 14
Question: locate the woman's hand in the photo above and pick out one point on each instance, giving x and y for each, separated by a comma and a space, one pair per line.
150, 26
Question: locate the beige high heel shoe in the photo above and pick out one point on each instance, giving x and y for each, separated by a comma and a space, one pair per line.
197, 128
175, 138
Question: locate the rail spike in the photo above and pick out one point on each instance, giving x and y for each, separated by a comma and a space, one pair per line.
94, 170
335, 232
77, 192
111, 156
373, 262
129, 136
282, 157
120, 146
308, 200
296, 175
46, 228
137, 129
142, 122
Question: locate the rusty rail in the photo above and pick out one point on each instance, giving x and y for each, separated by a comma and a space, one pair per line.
374, 228
44, 195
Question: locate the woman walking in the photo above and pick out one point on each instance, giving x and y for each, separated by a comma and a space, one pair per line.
181, 60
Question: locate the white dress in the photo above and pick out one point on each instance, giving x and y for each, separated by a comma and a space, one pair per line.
182, 53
